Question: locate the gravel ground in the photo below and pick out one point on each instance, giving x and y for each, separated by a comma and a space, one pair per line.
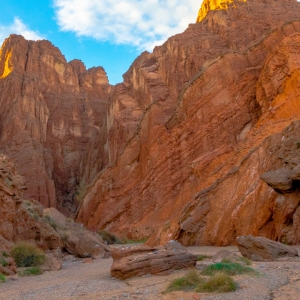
278, 280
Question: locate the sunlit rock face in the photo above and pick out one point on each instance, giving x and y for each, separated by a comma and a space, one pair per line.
208, 5
50, 109
196, 123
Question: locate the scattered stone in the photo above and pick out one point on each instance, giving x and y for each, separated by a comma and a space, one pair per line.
225, 254
6, 271
263, 249
51, 263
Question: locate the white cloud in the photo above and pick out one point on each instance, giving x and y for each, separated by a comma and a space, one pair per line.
18, 27
141, 23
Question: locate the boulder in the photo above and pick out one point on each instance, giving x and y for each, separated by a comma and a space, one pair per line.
51, 263
8, 266
6, 271
85, 244
278, 179
228, 255
142, 260
263, 249
295, 173
76, 238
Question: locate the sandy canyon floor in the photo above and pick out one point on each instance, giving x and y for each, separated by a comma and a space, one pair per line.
78, 280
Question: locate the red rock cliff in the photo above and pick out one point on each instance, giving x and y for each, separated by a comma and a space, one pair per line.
49, 109
195, 125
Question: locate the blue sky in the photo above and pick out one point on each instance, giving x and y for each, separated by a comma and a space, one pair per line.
108, 33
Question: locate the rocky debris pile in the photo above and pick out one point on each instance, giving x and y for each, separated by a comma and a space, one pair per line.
21, 219
27, 220
263, 249
143, 260
77, 240
8, 266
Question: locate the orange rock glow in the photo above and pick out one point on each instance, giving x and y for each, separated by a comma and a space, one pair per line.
7, 65
208, 5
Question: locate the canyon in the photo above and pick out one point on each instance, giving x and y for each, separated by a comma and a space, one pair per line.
200, 143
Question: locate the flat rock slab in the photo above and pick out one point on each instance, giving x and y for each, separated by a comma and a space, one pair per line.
143, 260
263, 249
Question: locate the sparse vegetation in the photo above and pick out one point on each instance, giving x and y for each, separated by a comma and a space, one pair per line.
2, 278
219, 282
64, 236
192, 281
81, 192
109, 237
201, 257
27, 254
31, 271
186, 283
227, 267
245, 260
4, 254
30, 209
3, 262
50, 221
53, 223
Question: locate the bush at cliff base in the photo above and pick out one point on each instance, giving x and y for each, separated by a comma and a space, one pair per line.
27, 255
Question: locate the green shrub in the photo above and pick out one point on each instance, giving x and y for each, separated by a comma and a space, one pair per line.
2, 278
27, 254
3, 262
185, 283
245, 260
4, 254
30, 271
219, 282
201, 257
50, 221
227, 267
109, 237
64, 236
53, 223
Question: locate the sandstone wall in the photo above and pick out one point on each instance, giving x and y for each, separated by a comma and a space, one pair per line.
213, 99
49, 110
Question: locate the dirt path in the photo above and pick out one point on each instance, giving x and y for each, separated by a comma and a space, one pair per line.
91, 281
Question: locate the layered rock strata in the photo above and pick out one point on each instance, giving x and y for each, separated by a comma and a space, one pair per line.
262, 249
180, 148
196, 123
143, 260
